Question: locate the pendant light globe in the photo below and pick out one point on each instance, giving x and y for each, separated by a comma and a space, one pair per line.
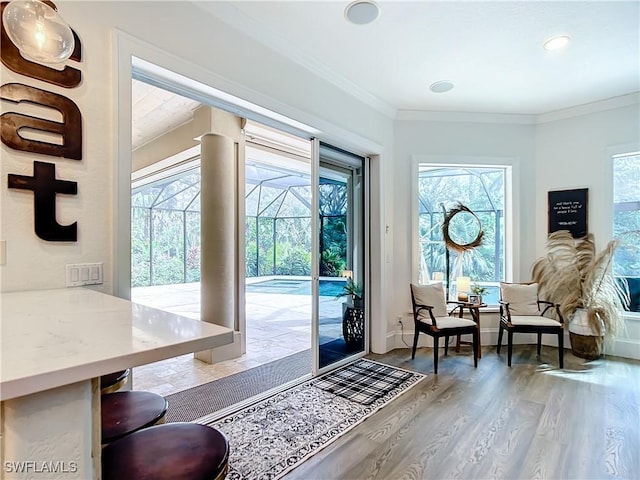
38, 31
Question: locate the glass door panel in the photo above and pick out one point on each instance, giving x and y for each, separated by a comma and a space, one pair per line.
339, 284
278, 243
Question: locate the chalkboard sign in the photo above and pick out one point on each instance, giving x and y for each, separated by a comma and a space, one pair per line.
568, 211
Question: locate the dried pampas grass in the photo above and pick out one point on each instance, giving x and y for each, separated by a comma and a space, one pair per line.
573, 275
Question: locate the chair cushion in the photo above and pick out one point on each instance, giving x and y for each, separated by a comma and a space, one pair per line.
432, 295
522, 298
538, 321
448, 322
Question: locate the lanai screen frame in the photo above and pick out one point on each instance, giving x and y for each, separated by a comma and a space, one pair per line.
433, 204
171, 194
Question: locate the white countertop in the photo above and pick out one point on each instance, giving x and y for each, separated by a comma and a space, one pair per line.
51, 338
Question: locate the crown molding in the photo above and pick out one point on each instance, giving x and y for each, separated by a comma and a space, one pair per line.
237, 19
587, 108
519, 119
464, 117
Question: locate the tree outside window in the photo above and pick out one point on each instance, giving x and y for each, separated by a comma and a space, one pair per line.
626, 223
481, 189
165, 226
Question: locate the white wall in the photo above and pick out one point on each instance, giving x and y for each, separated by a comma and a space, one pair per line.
472, 139
575, 152
33, 263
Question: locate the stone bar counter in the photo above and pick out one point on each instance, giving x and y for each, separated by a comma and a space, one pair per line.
54, 346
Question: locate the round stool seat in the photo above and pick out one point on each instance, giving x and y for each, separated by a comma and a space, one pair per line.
173, 451
127, 412
113, 381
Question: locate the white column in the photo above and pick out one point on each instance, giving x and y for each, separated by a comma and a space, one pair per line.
218, 238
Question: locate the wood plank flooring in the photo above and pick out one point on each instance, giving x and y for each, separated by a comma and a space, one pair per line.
528, 421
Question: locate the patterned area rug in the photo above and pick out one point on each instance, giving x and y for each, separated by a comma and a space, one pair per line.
272, 437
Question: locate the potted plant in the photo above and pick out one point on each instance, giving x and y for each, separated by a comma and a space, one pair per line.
354, 291
478, 290
577, 278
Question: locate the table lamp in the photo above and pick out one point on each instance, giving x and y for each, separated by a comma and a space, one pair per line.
463, 287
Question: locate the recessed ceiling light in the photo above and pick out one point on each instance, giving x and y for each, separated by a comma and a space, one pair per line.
362, 12
441, 86
556, 43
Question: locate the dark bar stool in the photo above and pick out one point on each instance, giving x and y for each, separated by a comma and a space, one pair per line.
173, 451
126, 412
113, 381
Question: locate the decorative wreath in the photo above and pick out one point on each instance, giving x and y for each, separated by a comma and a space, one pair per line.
449, 243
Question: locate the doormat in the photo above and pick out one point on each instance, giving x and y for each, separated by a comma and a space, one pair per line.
272, 437
203, 400
363, 382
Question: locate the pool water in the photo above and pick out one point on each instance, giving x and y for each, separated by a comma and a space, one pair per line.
331, 288
328, 288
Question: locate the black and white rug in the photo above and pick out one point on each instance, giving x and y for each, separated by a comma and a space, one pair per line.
272, 437
364, 381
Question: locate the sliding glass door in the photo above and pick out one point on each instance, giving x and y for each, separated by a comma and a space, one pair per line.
304, 224
300, 258
339, 276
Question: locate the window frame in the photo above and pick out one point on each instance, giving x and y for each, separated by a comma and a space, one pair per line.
511, 204
619, 152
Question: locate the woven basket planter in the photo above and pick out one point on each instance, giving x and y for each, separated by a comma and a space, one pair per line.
585, 340
586, 346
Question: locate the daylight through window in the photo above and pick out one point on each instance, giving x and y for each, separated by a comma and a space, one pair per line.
481, 189
626, 223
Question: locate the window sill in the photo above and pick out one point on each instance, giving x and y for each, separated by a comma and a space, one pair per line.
491, 309
634, 316
631, 316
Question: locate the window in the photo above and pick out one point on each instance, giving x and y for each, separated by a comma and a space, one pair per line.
626, 223
481, 189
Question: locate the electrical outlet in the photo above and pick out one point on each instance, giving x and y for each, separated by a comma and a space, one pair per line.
400, 320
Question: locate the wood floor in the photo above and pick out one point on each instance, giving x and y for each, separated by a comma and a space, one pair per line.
528, 421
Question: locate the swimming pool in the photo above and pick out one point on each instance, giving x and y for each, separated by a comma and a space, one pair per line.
328, 288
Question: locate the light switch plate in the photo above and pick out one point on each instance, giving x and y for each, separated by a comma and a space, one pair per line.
84, 274
3, 252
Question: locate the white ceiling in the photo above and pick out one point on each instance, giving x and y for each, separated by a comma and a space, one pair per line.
492, 51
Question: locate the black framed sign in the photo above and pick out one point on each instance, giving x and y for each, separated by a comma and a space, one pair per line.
568, 211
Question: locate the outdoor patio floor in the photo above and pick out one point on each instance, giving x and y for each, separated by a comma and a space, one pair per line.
278, 325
